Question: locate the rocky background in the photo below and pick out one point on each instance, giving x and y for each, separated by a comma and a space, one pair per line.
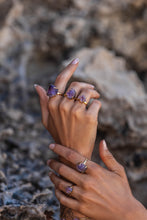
37, 39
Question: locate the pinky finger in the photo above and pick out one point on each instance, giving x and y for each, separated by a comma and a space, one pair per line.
67, 201
94, 107
43, 104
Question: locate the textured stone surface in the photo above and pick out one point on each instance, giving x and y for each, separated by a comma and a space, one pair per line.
124, 101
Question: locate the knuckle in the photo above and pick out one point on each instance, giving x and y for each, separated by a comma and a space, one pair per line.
87, 91
61, 169
52, 105
75, 84
63, 107
91, 119
75, 112
86, 183
69, 155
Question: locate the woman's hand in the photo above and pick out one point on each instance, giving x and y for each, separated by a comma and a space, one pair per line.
69, 121
100, 194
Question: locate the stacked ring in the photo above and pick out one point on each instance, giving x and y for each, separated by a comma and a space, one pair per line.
82, 167
69, 190
71, 94
53, 91
82, 99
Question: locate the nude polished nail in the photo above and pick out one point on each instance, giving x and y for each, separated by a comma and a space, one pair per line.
75, 61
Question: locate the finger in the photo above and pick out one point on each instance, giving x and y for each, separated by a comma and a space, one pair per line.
63, 185
67, 201
94, 108
109, 160
63, 78
43, 104
68, 101
66, 172
74, 158
85, 95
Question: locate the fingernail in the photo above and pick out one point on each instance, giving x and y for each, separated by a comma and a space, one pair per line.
75, 61
52, 146
50, 173
48, 162
35, 85
105, 145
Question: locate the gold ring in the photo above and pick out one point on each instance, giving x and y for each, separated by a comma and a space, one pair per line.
82, 102
82, 167
69, 190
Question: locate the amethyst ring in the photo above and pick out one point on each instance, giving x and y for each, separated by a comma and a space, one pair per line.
82, 167
82, 99
53, 91
69, 190
71, 94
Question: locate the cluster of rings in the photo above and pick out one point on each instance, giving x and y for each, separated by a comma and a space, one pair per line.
71, 94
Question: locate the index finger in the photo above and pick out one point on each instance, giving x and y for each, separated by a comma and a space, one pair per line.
73, 156
63, 78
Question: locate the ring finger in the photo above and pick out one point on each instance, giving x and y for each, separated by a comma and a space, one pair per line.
73, 91
85, 95
66, 171
64, 186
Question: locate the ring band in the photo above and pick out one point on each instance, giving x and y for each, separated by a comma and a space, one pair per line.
69, 190
82, 167
82, 102
82, 99
71, 94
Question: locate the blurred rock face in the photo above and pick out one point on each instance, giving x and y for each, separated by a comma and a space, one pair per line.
110, 38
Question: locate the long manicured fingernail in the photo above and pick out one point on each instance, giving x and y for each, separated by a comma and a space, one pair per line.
35, 85
105, 145
52, 146
48, 162
75, 61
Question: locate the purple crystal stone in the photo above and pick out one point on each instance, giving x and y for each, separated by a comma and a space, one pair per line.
71, 94
82, 98
69, 189
52, 91
81, 167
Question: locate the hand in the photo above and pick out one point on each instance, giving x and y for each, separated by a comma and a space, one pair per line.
69, 121
99, 193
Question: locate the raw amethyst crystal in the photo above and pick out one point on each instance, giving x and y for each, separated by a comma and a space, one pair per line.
52, 91
69, 189
71, 94
82, 98
81, 167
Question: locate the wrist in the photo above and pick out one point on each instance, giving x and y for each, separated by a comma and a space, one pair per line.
136, 211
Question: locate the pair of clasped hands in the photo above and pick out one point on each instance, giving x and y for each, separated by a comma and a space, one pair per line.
100, 193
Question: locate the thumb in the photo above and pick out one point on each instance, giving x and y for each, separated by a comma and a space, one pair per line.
43, 104
109, 160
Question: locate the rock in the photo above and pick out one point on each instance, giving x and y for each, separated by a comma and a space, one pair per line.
124, 101
6, 132
3, 178
32, 49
